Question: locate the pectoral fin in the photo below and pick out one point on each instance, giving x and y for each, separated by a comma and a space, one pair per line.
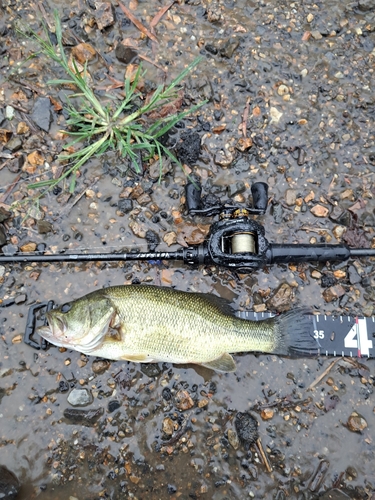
223, 364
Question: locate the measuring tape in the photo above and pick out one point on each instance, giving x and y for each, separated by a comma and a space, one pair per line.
337, 336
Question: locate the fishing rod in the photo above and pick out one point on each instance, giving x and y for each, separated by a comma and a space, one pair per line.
235, 241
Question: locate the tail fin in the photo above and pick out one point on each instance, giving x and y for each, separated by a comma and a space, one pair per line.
294, 334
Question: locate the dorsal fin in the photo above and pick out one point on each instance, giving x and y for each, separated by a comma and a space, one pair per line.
222, 304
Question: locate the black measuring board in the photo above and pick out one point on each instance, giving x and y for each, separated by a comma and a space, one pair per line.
337, 335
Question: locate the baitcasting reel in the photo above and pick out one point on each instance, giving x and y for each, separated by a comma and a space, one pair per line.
237, 241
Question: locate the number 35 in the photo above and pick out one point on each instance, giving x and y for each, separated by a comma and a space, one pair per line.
318, 334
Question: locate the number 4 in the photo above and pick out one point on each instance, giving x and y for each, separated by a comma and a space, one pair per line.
357, 338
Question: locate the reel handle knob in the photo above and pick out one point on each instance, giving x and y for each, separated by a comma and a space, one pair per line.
259, 190
193, 192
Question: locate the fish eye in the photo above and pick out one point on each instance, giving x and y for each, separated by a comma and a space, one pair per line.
66, 308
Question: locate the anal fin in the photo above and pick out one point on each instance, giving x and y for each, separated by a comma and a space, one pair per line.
137, 358
225, 363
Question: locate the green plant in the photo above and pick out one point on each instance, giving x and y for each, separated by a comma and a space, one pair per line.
117, 125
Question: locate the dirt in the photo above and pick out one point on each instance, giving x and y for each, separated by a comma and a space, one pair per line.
290, 103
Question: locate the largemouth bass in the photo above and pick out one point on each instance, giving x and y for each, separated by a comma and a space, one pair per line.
149, 324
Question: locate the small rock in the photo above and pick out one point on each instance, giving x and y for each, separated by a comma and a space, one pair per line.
229, 47
5, 135
44, 226
244, 143
150, 369
223, 158
113, 405
9, 249
188, 149
275, 115
247, 429
316, 274
3, 236
156, 172
366, 5
20, 299
356, 423
338, 232
137, 229
152, 239
144, 199
319, 211
170, 238
259, 308
328, 280
14, 145
41, 113
4, 214
22, 128
267, 413
9, 484
234, 189
80, 397
9, 112
125, 54
213, 12
83, 417
310, 18
316, 35
333, 293
104, 15
100, 366
354, 277
211, 49
310, 196
282, 299
339, 274
125, 205
183, 400
168, 426
83, 52
290, 197
283, 89
28, 247
233, 439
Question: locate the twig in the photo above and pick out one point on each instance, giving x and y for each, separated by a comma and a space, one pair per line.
245, 116
10, 189
137, 23
160, 14
265, 460
20, 108
68, 208
322, 375
152, 62
5, 162
184, 428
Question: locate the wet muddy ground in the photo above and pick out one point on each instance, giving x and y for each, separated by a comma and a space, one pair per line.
302, 74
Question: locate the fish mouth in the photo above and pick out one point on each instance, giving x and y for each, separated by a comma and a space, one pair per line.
47, 333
